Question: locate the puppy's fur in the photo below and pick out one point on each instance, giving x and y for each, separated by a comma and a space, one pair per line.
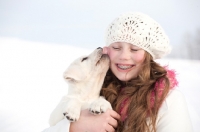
85, 77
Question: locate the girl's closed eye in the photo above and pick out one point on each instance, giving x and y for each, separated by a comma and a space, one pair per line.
116, 48
134, 50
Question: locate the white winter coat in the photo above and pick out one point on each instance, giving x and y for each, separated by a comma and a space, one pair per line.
173, 116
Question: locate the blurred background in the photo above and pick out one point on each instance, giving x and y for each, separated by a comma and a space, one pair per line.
83, 22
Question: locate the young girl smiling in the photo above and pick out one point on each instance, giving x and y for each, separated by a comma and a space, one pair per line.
142, 93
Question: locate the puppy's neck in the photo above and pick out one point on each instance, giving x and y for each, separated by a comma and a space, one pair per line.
89, 87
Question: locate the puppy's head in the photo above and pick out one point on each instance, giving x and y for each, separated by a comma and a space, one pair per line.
93, 65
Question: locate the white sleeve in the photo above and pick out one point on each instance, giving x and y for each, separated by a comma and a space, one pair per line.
61, 126
173, 115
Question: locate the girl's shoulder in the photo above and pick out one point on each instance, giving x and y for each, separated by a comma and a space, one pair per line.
174, 113
174, 99
174, 96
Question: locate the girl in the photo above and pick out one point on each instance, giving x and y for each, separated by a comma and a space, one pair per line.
142, 92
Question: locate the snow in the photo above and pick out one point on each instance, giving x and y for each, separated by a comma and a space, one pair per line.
31, 82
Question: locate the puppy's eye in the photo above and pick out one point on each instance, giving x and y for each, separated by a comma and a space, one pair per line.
85, 58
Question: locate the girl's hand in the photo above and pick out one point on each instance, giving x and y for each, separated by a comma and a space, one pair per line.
105, 122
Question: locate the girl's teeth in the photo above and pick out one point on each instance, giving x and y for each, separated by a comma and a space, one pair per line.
124, 67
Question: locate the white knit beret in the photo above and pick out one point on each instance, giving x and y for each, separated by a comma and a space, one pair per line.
140, 30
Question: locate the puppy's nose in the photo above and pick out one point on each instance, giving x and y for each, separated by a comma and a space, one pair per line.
99, 48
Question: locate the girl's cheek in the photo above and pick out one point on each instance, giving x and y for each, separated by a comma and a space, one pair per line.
109, 51
140, 57
105, 50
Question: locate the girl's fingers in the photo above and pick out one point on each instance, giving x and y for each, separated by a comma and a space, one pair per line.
114, 114
113, 121
110, 129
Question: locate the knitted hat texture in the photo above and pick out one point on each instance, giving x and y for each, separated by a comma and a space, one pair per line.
140, 30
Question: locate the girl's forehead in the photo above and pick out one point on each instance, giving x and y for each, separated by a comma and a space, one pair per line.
124, 44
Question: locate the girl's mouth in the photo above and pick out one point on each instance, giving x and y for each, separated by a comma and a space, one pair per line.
124, 66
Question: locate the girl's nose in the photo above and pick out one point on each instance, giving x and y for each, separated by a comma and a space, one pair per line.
125, 55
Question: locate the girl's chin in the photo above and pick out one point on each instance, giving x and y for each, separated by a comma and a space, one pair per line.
123, 75
126, 76
123, 78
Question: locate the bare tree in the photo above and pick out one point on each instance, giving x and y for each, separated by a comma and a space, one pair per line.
187, 46
197, 45
190, 46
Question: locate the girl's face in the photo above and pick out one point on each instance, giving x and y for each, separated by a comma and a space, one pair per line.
126, 60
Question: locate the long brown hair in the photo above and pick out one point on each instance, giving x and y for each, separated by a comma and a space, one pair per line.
139, 91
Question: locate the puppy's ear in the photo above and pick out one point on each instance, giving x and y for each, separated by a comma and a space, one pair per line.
70, 79
76, 71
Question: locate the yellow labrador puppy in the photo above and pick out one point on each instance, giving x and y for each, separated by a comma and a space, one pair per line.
85, 77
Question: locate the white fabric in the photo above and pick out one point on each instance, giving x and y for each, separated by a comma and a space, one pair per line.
62, 126
140, 30
173, 116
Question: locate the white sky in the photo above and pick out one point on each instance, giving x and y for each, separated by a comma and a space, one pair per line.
83, 22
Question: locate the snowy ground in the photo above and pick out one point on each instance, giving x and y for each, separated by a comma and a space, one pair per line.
31, 83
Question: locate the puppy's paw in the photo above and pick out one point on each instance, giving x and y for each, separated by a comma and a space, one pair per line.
72, 112
99, 106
